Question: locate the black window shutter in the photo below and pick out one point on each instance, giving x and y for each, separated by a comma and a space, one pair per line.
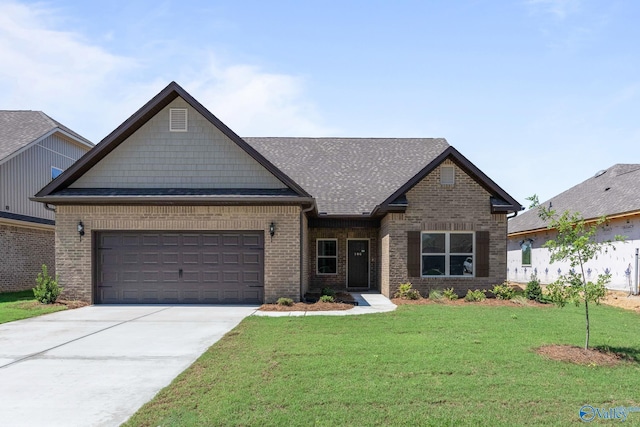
482, 254
413, 254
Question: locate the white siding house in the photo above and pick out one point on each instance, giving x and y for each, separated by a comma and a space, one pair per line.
612, 193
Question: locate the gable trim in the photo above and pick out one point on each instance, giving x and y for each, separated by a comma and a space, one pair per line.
456, 157
137, 120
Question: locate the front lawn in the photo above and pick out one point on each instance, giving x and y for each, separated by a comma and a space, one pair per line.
22, 305
420, 365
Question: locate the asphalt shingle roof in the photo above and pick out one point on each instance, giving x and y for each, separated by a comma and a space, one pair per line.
20, 128
349, 176
610, 193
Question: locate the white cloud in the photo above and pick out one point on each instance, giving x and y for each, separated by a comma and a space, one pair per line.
560, 9
92, 90
255, 103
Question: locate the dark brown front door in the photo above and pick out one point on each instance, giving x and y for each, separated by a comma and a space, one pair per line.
358, 263
186, 268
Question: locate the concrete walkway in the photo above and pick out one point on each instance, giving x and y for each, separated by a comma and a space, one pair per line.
367, 304
96, 366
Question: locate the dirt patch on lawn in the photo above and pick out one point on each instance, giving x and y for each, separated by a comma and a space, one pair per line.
580, 356
623, 300
303, 306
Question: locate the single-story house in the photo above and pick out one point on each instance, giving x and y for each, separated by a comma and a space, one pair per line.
611, 192
34, 149
173, 206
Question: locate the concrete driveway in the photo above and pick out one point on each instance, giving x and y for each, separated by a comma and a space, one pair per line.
95, 366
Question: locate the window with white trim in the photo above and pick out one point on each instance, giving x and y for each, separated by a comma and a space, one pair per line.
55, 172
446, 253
178, 120
525, 246
327, 256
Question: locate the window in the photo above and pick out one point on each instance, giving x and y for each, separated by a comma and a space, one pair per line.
327, 256
55, 172
447, 254
178, 119
447, 175
525, 245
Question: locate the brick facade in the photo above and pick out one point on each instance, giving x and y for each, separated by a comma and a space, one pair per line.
281, 253
435, 207
339, 280
24, 250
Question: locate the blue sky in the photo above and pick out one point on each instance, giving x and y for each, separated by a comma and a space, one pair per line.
540, 94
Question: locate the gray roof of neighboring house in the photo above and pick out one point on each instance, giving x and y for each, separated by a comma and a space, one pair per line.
610, 192
350, 176
20, 128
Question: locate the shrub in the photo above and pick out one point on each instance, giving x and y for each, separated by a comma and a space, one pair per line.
285, 301
328, 291
406, 291
504, 291
47, 290
520, 300
450, 294
477, 295
533, 291
326, 298
435, 295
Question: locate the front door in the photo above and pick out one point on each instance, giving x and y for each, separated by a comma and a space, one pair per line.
357, 263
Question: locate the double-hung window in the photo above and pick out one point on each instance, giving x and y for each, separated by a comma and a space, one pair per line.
525, 245
327, 256
447, 253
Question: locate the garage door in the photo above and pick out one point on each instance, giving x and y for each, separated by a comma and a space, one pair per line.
189, 268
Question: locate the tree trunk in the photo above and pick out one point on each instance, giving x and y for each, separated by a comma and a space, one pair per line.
586, 312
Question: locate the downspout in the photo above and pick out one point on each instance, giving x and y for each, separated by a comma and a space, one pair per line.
47, 207
635, 279
302, 248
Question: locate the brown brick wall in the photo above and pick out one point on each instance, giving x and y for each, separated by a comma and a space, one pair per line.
281, 254
23, 251
463, 206
339, 280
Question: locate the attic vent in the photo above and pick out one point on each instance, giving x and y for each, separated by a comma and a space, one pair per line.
178, 119
600, 173
447, 175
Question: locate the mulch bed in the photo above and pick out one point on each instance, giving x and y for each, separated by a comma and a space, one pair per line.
580, 356
303, 306
460, 301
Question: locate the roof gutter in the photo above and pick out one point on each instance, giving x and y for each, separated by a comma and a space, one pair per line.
168, 200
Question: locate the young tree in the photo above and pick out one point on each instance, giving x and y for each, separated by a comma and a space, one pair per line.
575, 243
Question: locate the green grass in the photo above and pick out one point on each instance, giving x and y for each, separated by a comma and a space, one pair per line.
22, 305
420, 365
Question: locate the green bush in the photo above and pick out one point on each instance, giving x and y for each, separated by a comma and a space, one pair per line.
406, 291
477, 295
285, 301
435, 295
328, 291
47, 290
533, 291
326, 298
450, 294
504, 291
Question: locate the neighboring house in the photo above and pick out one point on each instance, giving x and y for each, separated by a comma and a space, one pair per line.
175, 207
612, 193
34, 149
